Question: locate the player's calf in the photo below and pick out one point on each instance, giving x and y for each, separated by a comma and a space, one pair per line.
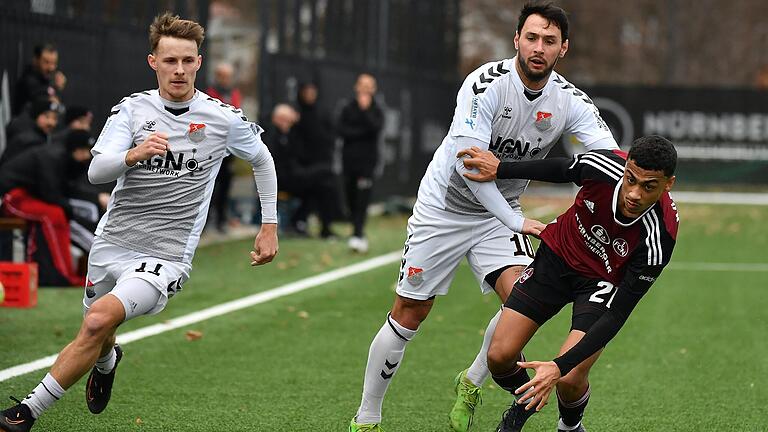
571, 412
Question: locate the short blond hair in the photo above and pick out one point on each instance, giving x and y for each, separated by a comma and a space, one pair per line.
170, 25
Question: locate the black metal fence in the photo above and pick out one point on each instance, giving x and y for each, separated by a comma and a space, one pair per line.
411, 46
102, 44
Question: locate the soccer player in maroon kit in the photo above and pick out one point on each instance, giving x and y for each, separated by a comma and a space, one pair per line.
602, 255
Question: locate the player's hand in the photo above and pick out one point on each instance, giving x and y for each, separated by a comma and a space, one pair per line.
156, 144
533, 227
59, 80
543, 382
483, 161
265, 246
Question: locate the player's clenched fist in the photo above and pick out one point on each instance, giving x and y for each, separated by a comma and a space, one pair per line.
156, 144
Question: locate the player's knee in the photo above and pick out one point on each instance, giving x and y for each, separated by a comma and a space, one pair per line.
500, 358
410, 313
98, 325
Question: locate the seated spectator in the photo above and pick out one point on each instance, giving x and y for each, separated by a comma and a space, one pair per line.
44, 116
283, 142
40, 80
34, 187
75, 118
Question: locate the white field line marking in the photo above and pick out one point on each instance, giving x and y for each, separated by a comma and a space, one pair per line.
238, 304
222, 309
715, 266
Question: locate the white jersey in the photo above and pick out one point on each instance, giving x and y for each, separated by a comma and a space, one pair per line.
159, 206
492, 107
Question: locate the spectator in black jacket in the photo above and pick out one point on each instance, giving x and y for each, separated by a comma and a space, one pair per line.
44, 115
283, 142
40, 80
34, 187
315, 131
360, 125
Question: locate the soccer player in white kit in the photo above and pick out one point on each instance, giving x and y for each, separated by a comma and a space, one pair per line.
164, 147
517, 108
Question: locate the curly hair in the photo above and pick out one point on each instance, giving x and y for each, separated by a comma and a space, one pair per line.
654, 153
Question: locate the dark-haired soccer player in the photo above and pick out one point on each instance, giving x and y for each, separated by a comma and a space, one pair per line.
602, 255
164, 147
517, 108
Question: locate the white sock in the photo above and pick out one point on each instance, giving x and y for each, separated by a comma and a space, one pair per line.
43, 396
565, 427
105, 364
384, 358
478, 372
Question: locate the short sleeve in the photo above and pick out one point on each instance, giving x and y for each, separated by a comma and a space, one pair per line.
584, 123
117, 134
477, 102
244, 139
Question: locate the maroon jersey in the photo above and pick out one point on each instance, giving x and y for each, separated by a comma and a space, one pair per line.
596, 240
600, 243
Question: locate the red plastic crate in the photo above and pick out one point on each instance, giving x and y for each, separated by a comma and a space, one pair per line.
20, 284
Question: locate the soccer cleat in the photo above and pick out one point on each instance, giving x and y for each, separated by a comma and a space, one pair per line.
579, 428
468, 396
367, 427
98, 388
514, 418
17, 418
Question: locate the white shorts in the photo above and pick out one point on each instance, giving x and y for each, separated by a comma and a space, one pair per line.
109, 264
438, 240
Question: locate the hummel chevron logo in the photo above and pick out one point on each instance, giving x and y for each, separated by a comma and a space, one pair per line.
492, 74
391, 368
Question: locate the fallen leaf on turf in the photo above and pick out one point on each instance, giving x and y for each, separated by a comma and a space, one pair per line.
139, 421
193, 335
303, 314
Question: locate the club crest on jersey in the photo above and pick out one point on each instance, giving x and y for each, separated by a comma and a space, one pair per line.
507, 112
601, 234
525, 275
415, 275
543, 120
621, 247
196, 132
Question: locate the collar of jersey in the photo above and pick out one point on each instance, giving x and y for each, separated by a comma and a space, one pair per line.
523, 88
179, 105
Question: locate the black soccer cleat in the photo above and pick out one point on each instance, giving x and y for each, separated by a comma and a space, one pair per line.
514, 418
579, 428
98, 389
17, 418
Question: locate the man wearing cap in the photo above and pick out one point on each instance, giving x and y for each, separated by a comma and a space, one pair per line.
33, 186
44, 114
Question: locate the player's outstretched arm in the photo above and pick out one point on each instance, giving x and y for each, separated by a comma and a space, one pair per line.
489, 167
265, 246
547, 374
